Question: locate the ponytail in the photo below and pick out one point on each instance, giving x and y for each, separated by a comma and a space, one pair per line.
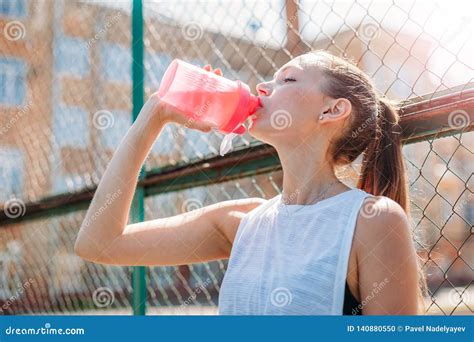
383, 169
383, 172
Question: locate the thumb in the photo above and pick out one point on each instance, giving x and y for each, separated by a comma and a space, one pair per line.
201, 126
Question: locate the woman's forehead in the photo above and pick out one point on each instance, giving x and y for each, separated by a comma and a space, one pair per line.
312, 60
307, 63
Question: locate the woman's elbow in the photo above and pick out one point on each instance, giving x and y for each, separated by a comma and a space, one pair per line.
81, 250
84, 250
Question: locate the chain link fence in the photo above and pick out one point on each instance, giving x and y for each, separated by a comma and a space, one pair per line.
66, 102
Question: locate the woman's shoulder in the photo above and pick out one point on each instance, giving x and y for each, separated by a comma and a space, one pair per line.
380, 207
380, 217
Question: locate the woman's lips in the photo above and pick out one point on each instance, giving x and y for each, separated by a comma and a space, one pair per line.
257, 112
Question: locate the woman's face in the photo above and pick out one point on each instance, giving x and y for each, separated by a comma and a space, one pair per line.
291, 102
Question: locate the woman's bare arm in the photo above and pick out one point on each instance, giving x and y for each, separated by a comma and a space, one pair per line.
201, 235
105, 237
387, 261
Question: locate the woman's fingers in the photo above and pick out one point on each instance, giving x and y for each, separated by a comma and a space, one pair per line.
201, 126
216, 71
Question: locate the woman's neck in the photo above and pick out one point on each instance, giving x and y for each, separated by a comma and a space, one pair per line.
307, 175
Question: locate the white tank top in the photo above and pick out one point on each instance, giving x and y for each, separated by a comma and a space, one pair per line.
291, 259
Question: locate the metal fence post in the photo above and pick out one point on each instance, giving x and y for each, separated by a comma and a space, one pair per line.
137, 210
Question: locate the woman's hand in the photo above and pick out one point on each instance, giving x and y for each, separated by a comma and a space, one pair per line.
167, 113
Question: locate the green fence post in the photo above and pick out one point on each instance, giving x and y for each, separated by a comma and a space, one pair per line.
137, 210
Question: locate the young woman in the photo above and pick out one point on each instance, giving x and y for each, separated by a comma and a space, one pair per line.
320, 247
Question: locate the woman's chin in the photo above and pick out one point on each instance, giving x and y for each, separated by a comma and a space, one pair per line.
252, 122
256, 130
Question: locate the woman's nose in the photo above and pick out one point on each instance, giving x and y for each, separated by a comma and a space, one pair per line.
263, 89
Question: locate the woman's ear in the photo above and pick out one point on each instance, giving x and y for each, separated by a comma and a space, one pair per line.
338, 109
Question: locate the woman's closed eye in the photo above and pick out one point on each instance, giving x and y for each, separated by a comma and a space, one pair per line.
288, 79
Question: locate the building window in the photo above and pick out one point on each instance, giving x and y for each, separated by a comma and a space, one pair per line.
12, 81
71, 127
67, 182
11, 173
72, 56
111, 136
116, 61
13, 8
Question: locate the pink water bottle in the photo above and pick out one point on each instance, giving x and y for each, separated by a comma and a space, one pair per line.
204, 96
